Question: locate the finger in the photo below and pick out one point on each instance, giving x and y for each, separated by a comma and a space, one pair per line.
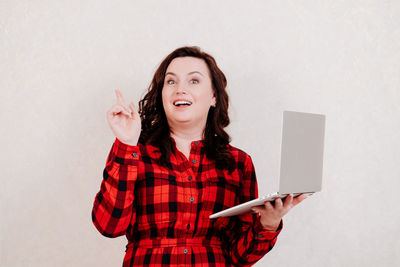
134, 112
256, 210
288, 200
121, 102
268, 205
117, 109
127, 113
120, 98
278, 203
299, 199
131, 112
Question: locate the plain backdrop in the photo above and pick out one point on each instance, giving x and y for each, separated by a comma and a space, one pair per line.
60, 62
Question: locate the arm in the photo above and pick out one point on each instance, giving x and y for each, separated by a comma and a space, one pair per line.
249, 240
113, 208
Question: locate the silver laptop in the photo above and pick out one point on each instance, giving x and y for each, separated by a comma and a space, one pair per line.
301, 160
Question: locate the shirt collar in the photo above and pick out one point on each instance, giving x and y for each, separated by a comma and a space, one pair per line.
198, 143
154, 152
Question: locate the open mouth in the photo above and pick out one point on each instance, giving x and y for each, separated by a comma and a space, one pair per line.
182, 103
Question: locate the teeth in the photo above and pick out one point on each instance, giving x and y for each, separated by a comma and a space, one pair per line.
181, 102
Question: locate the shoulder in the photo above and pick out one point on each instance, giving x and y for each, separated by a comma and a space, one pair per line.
148, 150
237, 152
242, 159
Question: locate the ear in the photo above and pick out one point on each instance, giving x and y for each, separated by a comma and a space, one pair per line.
213, 101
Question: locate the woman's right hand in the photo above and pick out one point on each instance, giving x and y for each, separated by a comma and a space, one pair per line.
124, 121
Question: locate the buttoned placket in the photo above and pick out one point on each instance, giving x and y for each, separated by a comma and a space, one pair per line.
191, 194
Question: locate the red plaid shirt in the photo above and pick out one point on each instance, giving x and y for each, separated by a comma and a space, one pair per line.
164, 211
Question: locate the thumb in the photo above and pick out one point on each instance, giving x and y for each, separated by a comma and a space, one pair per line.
134, 111
255, 209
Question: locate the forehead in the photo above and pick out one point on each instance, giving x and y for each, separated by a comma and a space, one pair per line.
184, 65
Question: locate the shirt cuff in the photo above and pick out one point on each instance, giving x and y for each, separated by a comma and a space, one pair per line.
125, 154
262, 233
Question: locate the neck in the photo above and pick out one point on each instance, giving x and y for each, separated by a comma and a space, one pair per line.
187, 131
186, 135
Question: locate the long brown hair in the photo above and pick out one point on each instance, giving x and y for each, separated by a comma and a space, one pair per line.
155, 129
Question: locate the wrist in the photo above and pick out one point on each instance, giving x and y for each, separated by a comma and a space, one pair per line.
271, 226
129, 142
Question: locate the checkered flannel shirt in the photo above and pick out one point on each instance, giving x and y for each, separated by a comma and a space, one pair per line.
164, 210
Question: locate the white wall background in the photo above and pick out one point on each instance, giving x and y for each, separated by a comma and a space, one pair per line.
61, 60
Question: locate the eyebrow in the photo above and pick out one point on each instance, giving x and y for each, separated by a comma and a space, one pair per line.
192, 72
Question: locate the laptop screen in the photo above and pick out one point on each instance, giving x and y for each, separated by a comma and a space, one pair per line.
301, 152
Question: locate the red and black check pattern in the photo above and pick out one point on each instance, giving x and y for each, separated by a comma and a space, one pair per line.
164, 211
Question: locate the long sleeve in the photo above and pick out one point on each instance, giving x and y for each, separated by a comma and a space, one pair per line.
249, 241
113, 209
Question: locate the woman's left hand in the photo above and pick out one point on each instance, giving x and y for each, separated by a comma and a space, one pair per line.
271, 215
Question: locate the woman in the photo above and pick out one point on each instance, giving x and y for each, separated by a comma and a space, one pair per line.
172, 166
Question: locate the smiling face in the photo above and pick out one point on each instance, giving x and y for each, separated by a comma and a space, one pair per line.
187, 93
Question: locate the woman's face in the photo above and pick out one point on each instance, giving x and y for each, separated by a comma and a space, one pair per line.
187, 93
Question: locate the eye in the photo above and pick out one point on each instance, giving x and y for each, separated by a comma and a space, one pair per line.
170, 81
194, 81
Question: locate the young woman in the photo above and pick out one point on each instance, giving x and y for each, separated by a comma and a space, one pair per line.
172, 166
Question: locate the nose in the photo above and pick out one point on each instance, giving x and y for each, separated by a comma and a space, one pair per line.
181, 89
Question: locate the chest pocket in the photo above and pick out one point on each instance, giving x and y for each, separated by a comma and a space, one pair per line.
156, 199
221, 191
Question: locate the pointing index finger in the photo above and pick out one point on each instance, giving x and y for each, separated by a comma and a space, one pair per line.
120, 98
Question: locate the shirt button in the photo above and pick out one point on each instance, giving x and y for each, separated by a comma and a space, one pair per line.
194, 161
191, 199
188, 226
190, 178
196, 143
134, 154
185, 251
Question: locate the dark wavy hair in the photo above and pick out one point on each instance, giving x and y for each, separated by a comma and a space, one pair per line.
155, 129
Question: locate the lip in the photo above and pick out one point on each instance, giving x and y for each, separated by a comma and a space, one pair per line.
181, 107
181, 99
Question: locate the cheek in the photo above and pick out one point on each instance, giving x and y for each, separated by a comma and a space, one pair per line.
164, 97
205, 99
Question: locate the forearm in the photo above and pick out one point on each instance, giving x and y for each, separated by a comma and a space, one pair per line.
113, 206
254, 242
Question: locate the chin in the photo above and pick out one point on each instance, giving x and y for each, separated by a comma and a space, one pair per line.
183, 120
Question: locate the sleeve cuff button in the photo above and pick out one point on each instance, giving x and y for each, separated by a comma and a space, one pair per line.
134, 154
